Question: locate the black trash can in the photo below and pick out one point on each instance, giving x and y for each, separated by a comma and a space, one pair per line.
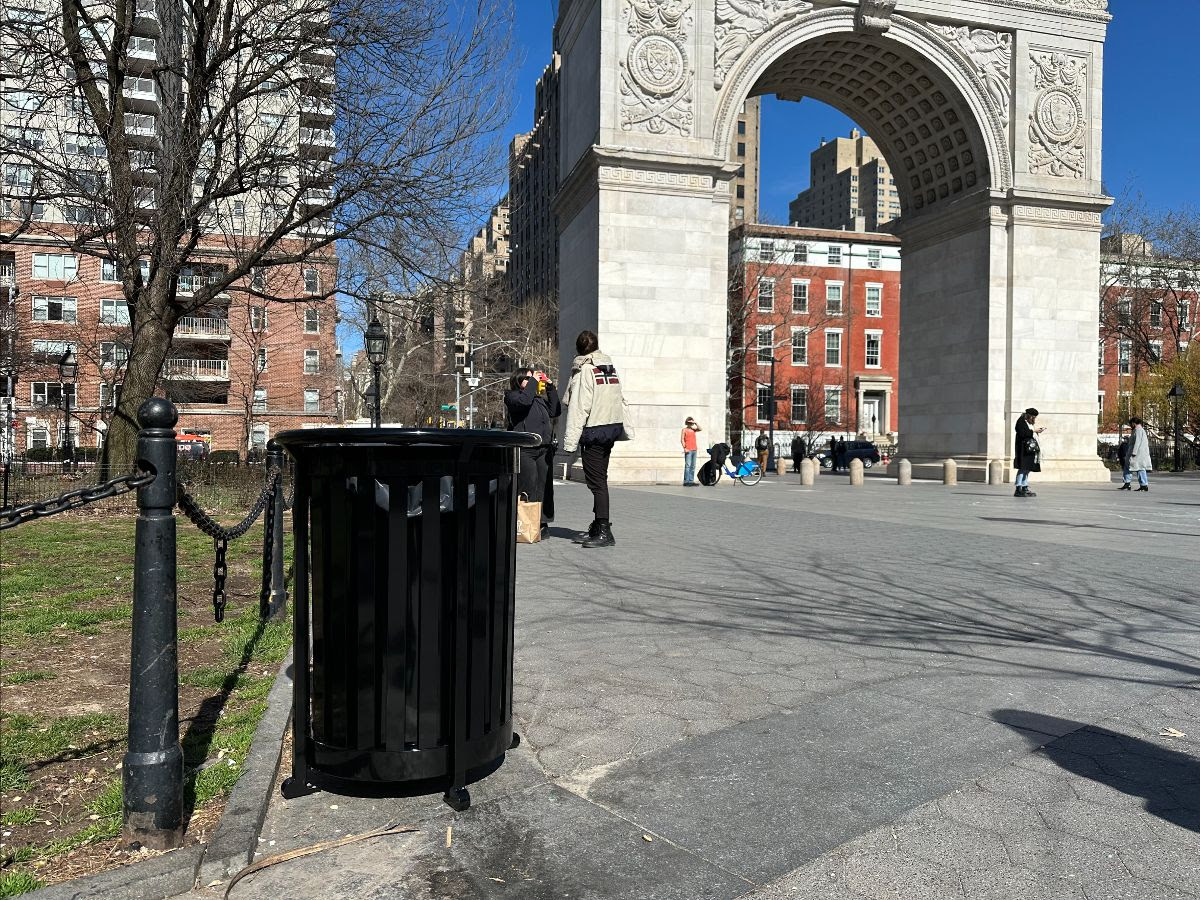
404, 555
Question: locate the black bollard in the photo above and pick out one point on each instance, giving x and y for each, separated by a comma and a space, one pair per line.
273, 600
152, 770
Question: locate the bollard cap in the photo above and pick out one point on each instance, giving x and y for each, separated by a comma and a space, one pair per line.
158, 412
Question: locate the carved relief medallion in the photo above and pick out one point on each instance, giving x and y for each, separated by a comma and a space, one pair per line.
656, 77
991, 54
740, 22
1058, 123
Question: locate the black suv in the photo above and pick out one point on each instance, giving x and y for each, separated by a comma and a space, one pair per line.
864, 450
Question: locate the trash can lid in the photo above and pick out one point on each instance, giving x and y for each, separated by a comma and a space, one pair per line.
405, 437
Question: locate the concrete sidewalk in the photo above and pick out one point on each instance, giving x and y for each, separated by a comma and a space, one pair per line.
832, 692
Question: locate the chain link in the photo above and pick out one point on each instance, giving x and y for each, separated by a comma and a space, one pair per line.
220, 571
264, 601
202, 520
17, 515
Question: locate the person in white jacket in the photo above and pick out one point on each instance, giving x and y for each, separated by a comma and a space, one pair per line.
595, 421
1139, 455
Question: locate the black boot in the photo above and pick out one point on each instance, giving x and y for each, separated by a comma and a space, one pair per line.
1125, 487
593, 530
1028, 492
603, 538
1144, 487
1020, 491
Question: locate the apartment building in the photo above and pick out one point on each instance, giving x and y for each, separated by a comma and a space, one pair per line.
850, 187
825, 305
483, 267
745, 149
532, 187
259, 358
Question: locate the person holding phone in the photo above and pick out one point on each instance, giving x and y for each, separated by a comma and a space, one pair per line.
1028, 455
532, 401
687, 439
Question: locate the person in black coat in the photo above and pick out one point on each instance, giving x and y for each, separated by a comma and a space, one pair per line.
839, 456
1027, 456
798, 448
532, 402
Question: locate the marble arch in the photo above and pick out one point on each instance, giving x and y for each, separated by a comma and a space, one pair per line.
989, 111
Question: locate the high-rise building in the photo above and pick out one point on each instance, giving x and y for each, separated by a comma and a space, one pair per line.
532, 186
261, 355
744, 150
850, 188
483, 267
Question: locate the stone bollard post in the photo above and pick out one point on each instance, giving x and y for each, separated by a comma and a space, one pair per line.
780, 465
904, 472
856, 473
995, 472
152, 769
807, 472
950, 473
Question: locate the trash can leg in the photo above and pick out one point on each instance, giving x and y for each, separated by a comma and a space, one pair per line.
516, 742
458, 798
294, 787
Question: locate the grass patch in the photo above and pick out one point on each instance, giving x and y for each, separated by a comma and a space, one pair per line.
19, 816
13, 777
28, 677
28, 739
20, 882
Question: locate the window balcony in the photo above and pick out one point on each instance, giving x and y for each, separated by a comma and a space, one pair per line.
196, 369
141, 94
316, 196
315, 109
202, 328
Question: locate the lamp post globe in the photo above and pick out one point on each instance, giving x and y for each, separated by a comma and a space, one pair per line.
376, 341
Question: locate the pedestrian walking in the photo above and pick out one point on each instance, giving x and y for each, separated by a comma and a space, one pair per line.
762, 446
532, 402
595, 421
1139, 455
687, 439
833, 457
1028, 455
1123, 458
840, 464
798, 448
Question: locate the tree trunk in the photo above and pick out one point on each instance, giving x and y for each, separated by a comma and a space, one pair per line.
151, 342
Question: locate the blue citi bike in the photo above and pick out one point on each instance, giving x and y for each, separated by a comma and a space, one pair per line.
746, 471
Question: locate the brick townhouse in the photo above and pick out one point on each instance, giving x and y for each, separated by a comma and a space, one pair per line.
826, 305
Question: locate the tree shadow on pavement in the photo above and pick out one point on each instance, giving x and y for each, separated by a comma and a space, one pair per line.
1168, 780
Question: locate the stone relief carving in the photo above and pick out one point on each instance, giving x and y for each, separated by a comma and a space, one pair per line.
656, 77
1081, 5
740, 22
1058, 123
991, 53
875, 16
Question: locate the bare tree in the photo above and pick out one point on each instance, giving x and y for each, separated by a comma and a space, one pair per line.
205, 144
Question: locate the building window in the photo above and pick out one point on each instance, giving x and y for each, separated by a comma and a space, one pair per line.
112, 271
312, 281
51, 351
55, 266
1124, 403
875, 300
1156, 352
114, 312
833, 347
50, 393
262, 359
741, 192
258, 318
1100, 406
835, 255
110, 395
800, 253
1124, 354
874, 258
833, 298
874, 349
799, 296
258, 276
260, 400
39, 438
741, 126
741, 148
54, 309
766, 294
762, 403
312, 401
766, 344
113, 354
259, 435
1100, 361
799, 403
799, 346
312, 321
833, 405
766, 251
1156, 311
1125, 310
1183, 313
312, 362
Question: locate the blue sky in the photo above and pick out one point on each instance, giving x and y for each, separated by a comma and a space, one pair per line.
1151, 130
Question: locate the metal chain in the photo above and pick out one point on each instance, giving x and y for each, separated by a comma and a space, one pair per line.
202, 520
220, 570
268, 552
17, 515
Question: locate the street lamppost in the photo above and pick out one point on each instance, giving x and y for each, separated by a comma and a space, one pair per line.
376, 344
1176, 394
68, 370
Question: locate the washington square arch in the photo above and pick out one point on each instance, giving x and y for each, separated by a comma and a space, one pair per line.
989, 114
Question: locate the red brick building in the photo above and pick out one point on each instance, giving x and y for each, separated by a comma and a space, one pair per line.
826, 306
240, 370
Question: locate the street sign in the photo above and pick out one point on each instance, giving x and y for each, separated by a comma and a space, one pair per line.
447, 407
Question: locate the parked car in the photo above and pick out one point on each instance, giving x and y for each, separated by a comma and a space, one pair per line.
864, 450
191, 446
